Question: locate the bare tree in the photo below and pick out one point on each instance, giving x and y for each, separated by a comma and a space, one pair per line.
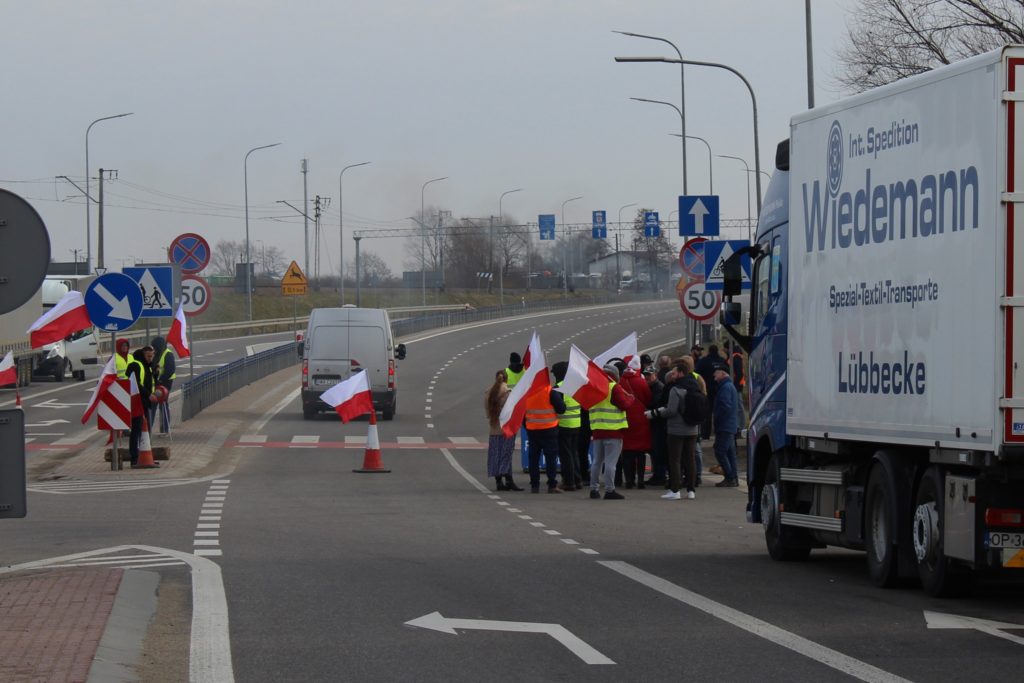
888, 40
655, 253
429, 242
225, 255
373, 268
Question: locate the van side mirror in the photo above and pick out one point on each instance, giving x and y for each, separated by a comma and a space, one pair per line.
400, 352
732, 313
732, 275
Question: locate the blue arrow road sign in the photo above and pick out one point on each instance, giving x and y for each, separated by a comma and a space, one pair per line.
652, 227
156, 284
600, 230
715, 254
113, 302
698, 216
547, 226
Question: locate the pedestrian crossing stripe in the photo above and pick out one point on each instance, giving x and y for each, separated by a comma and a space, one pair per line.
71, 486
351, 441
147, 560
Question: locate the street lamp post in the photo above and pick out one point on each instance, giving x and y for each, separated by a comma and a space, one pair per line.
682, 88
711, 172
248, 257
565, 252
88, 197
682, 122
746, 166
423, 241
618, 229
341, 228
753, 101
501, 266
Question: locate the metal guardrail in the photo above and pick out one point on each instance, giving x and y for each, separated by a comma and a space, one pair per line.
206, 389
210, 387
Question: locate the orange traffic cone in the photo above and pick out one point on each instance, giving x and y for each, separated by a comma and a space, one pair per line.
372, 462
146, 461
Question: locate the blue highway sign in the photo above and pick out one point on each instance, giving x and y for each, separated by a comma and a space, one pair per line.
600, 229
113, 301
698, 216
652, 226
547, 226
156, 284
715, 255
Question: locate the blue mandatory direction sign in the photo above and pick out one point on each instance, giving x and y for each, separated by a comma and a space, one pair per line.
600, 229
547, 226
652, 226
156, 284
698, 216
715, 256
114, 302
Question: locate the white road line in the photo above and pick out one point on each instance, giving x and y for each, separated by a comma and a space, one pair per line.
355, 438
538, 524
221, 481
204, 541
207, 526
525, 517
211, 534
589, 551
252, 438
269, 415
569, 541
304, 441
410, 439
213, 552
552, 532
463, 439
465, 475
787, 639
209, 518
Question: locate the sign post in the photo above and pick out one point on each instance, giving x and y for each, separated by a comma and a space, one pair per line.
294, 284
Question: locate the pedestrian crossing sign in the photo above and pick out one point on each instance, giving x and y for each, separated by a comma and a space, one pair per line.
294, 281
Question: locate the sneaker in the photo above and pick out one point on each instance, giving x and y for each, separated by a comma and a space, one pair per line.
690, 495
613, 495
594, 495
732, 483
722, 484
534, 489
671, 495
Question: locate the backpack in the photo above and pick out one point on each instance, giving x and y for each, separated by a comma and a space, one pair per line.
694, 408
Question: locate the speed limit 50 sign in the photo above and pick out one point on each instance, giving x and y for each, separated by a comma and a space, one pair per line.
699, 303
195, 294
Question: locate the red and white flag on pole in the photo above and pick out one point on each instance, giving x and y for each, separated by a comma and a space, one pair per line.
535, 378
176, 337
66, 318
350, 398
107, 378
8, 373
584, 380
624, 349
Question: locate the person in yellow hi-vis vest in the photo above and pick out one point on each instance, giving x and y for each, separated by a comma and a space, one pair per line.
121, 358
166, 372
608, 425
569, 424
513, 373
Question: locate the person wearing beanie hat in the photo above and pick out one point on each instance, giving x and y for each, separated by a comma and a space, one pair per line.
607, 423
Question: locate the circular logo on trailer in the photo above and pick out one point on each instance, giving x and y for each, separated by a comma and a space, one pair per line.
834, 163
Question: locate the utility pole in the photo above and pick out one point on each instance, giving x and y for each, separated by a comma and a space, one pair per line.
305, 211
99, 225
316, 241
490, 266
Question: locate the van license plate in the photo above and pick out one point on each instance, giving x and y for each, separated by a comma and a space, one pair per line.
325, 382
1005, 539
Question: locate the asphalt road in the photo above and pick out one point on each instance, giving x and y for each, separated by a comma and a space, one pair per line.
324, 568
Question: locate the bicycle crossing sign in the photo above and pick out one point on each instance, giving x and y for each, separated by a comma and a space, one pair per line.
156, 282
715, 255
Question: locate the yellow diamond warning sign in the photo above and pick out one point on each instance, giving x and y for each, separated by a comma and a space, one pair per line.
294, 281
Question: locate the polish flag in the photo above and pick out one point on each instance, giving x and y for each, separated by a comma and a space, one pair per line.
135, 396
66, 318
107, 378
350, 398
176, 336
625, 349
535, 379
8, 373
584, 380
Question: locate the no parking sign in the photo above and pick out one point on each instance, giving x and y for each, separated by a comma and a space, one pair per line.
190, 251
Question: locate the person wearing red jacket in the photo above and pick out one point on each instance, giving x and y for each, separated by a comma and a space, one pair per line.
636, 439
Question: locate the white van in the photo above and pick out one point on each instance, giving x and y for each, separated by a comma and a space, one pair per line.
341, 341
76, 353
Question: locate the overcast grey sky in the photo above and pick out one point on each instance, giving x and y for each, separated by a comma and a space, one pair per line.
494, 94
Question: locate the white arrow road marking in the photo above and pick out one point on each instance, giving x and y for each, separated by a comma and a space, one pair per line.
48, 423
993, 628
119, 308
698, 211
54, 403
435, 621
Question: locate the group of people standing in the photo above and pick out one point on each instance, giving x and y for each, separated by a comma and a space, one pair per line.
659, 410
152, 366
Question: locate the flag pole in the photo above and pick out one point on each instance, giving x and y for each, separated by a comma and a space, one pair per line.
115, 453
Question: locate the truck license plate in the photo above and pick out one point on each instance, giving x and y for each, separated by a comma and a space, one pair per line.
1005, 539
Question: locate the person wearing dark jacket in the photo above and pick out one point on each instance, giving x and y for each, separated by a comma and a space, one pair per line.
542, 411
569, 423
682, 436
706, 369
139, 368
636, 438
726, 425
659, 443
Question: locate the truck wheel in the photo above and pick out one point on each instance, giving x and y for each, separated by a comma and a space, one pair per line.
940, 576
308, 412
780, 547
879, 529
388, 412
59, 373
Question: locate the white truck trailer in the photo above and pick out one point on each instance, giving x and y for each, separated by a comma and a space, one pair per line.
886, 330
